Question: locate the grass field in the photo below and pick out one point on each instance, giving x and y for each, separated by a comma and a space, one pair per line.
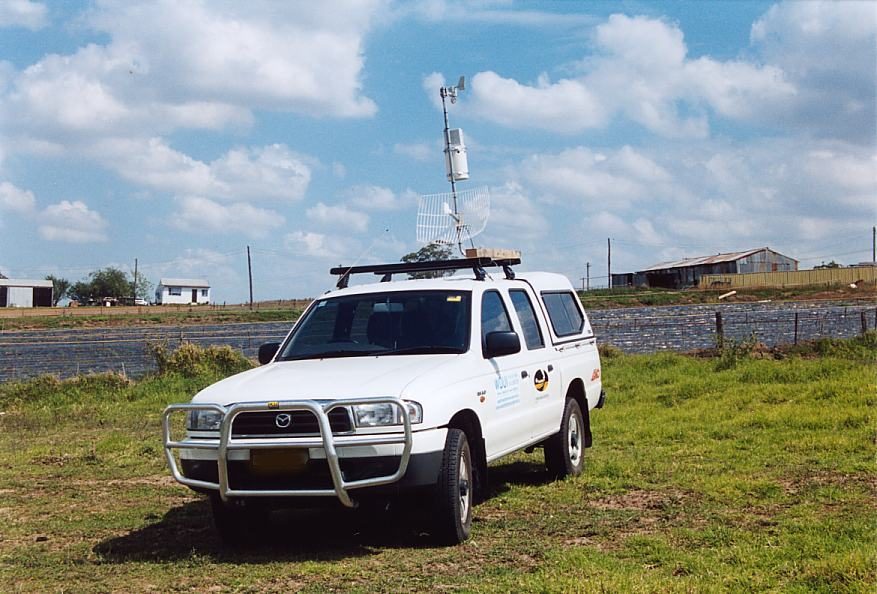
12, 319
732, 474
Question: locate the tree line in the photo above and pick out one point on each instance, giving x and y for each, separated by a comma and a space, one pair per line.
106, 283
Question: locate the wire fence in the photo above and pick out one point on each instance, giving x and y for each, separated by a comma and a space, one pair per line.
66, 353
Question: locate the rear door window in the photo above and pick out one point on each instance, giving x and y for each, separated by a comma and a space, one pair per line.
564, 313
527, 316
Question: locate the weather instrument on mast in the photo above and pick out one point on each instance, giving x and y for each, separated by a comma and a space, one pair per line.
452, 217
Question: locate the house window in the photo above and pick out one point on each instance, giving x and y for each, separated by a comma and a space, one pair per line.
175, 291
204, 292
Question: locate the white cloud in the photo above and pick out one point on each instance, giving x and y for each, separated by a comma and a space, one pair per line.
373, 197
581, 176
198, 214
317, 245
640, 70
71, 222
515, 215
258, 173
339, 217
171, 65
23, 13
827, 50
14, 199
420, 151
565, 106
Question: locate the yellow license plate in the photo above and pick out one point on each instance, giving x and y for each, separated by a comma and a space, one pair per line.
278, 461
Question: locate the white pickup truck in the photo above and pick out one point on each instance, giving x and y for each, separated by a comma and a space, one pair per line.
398, 387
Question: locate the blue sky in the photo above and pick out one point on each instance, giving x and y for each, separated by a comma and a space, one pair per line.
180, 132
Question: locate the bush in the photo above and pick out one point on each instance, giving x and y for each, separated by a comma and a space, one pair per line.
609, 351
731, 351
191, 360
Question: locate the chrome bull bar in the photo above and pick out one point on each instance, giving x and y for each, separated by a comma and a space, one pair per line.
326, 441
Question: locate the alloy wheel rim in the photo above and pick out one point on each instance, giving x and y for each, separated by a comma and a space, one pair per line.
574, 440
465, 492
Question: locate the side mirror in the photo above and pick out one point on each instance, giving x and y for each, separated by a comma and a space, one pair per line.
267, 352
498, 344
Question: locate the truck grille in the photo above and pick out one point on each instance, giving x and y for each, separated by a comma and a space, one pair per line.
302, 422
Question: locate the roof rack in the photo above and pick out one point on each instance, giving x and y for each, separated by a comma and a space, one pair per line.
388, 270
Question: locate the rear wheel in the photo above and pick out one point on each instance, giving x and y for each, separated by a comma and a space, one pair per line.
565, 451
453, 508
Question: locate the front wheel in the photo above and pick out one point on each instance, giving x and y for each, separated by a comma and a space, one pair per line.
453, 509
565, 451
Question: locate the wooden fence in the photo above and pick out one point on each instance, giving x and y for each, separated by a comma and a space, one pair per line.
798, 278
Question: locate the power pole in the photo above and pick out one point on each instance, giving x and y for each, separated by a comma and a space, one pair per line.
873, 244
588, 276
250, 274
135, 278
609, 260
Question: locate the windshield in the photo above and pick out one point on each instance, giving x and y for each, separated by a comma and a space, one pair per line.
401, 323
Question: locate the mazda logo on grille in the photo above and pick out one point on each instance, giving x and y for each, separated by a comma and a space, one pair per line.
283, 420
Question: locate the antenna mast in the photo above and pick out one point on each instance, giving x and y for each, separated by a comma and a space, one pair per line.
451, 93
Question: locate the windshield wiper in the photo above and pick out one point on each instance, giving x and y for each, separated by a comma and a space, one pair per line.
423, 350
329, 355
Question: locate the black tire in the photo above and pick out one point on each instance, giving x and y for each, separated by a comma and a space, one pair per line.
565, 451
454, 491
237, 522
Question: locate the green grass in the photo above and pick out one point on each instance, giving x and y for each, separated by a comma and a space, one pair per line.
95, 318
651, 296
759, 477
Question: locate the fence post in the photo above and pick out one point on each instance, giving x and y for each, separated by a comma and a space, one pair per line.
864, 324
796, 327
720, 330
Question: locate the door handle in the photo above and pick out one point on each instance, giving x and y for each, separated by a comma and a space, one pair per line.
550, 368
524, 374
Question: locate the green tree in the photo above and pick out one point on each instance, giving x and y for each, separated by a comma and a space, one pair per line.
104, 283
60, 286
431, 252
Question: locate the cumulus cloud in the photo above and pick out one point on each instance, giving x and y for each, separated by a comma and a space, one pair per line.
827, 49
583, 176
199, 214
640, 70
372, 197
317, 245
271, 172
171, 64
14, 199
419, 151
71, 222
339, 217
23, 13
168, 66
514, 214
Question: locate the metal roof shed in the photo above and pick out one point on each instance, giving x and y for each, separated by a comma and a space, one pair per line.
687, 271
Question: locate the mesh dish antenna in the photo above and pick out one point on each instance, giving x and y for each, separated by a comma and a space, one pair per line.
452, 217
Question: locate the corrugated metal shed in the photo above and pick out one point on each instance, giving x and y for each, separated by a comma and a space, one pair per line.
702, 260
688, 271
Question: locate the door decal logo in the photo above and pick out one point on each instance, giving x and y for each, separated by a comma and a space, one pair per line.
540, 380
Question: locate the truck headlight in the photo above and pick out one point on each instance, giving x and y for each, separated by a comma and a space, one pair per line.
203, 420
383, 414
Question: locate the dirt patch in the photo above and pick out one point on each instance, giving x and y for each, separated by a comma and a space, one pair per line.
639, 499
868, 482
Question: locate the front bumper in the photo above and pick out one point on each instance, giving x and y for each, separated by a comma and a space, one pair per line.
222, 465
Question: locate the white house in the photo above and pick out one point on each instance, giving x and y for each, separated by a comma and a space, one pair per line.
183, 291
16, 292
